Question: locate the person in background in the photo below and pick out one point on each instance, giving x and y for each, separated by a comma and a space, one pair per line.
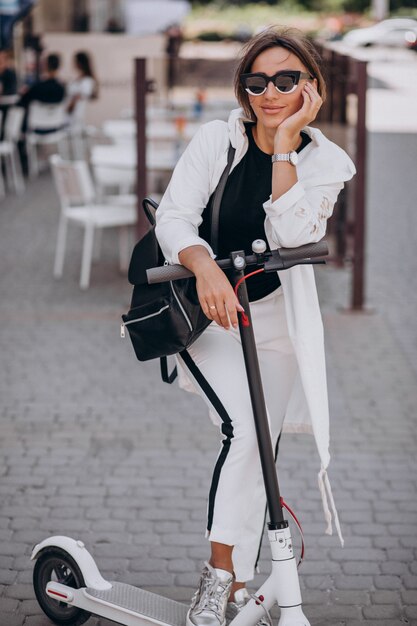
114, 26
8, 80
8, 85
82, 89
49, 90
199, 102
174, 40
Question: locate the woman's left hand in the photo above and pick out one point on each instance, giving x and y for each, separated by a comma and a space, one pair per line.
294, 124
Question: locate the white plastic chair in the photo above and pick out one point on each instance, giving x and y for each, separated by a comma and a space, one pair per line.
8, 147
120, 131
42, 116
77, 197
114, 166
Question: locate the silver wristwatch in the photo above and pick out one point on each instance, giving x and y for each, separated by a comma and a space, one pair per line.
290, 157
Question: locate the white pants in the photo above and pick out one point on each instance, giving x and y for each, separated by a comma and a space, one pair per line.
215, 364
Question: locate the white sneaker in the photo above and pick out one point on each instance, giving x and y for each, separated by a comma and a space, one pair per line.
209, 603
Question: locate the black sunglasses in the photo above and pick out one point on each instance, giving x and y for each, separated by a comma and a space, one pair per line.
285, 81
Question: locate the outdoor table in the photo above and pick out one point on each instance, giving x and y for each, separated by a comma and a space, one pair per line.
124, 158
178, 129
121, 131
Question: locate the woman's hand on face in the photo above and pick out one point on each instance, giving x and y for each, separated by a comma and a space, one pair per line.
294, 124
217, 297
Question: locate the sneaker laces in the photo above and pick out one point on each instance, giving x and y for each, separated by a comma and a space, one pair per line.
211, 590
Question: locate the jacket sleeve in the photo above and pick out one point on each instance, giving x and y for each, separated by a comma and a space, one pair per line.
300, 215
180, 212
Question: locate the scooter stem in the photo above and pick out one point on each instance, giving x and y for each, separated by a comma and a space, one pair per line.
263, 434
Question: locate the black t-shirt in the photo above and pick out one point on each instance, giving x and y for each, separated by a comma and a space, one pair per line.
8, 82
49, 91
242, 214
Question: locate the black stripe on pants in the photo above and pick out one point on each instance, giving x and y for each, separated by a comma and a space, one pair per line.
227, 430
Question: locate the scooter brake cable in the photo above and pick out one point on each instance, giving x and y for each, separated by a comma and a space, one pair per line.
245, 319
285, 505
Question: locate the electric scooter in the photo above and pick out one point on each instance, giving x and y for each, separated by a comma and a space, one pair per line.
67, 582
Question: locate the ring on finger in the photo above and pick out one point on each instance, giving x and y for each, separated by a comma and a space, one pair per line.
212, 306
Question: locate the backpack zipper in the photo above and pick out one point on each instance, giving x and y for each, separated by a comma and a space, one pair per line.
140, 319
187, 319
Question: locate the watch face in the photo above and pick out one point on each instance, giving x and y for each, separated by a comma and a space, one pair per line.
293, 158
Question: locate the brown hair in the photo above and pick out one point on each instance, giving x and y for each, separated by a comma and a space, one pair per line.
289, 38
83, 62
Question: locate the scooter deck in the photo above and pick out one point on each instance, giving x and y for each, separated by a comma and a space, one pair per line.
148, 604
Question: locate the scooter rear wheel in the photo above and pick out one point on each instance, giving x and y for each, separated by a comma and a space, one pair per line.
57, 565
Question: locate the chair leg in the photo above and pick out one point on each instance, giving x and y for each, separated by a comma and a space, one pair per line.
87, 256
97, 244
77, 143
60, 247
64, 148
31, 151
19, 185
124, 248
2, 185
8, 170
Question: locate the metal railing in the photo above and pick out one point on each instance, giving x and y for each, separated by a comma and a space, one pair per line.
344, 116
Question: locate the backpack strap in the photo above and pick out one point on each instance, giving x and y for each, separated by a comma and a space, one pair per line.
218, 194
166, 377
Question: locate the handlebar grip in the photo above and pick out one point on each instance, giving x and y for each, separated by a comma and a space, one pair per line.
308, 251
166, 273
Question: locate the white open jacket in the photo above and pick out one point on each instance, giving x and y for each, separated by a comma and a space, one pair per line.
296, 218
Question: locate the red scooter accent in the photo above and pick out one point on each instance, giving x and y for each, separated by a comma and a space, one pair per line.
245, 319
285, 505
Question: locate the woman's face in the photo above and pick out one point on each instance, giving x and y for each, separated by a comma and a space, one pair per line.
273, 107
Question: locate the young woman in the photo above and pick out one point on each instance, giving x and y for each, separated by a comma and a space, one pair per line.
283, 184
82, 89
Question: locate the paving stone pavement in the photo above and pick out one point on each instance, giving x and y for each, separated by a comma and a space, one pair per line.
93, 445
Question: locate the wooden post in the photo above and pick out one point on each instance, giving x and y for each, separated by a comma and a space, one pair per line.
358, 285
343, 79
140, 115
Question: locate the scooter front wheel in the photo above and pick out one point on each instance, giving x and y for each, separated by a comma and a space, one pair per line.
54, 564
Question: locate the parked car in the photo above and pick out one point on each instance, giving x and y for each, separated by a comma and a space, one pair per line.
391, 32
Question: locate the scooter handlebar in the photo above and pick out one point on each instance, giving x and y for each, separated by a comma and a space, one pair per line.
308, 251
167, 273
